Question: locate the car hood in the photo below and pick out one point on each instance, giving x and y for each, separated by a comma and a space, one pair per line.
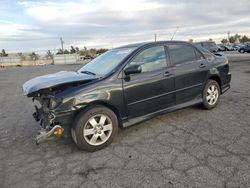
53, 80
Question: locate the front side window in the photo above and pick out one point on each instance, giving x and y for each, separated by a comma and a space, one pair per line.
151, 59
181, 53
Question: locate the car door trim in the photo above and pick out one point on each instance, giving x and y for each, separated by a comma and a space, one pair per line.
128, 122
164, 94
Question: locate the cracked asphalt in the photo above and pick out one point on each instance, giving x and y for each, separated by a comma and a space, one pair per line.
191, 147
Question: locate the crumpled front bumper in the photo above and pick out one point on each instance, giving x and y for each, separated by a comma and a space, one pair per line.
51, 117
47, 134
50, 122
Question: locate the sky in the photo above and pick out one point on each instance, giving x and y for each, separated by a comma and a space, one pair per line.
36, 25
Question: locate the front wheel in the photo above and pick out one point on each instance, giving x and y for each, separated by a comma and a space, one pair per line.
94, 128
211, 94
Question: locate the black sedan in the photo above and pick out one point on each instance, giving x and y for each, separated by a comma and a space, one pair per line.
245, 48
124, 86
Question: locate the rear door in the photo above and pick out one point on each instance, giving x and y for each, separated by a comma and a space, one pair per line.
190, 70
153, 88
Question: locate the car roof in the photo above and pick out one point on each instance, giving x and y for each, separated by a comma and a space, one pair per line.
142, 44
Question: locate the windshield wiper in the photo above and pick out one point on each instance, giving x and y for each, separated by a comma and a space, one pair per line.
88, 72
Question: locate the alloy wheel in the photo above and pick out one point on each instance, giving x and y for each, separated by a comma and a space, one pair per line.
98, 129
212, 94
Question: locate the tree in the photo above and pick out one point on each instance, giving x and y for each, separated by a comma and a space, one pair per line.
72, 50
190, 40
84, 51
66, 51
210, 40
232, 39
20, 54
49, 55
102, 50
237, 36
34, 56
60, 51
92, 51
244, 39
3, 54
224, 41
77, 50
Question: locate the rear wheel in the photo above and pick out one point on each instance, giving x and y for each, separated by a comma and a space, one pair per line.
211, 94
95, 128
242, 51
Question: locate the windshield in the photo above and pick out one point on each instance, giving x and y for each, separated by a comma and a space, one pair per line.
105, 63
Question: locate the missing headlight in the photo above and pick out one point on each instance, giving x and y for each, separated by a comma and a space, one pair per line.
54, 102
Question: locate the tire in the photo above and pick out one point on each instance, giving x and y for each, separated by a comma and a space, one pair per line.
242, 51
94, 128
211, 94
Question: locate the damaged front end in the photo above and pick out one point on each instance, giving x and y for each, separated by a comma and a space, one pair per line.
54, 113
47, 116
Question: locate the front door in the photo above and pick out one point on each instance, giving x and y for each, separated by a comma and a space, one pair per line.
153, 88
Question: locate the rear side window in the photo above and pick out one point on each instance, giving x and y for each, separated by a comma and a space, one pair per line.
181, 53
208, 55
209, 44
198, 55
198, 44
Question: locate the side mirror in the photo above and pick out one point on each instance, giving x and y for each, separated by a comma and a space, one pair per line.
133, 69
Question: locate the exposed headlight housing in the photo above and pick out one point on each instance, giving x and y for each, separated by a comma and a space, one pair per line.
55, 102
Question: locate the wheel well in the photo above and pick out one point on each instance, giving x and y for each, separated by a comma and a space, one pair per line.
217, 79
114, 109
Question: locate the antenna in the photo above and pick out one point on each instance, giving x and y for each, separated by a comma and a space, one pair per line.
175, 33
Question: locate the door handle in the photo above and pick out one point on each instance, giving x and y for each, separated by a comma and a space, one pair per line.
202, 65
167, 74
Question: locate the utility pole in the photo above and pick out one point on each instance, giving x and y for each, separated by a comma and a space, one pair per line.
155, 37
228, 36
62, 42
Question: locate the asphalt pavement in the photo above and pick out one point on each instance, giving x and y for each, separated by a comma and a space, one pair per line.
191, 147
